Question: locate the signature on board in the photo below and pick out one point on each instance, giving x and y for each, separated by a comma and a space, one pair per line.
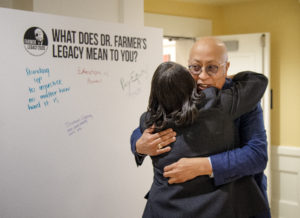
132, 84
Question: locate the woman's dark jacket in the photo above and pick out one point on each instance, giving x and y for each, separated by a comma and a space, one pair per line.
213, 132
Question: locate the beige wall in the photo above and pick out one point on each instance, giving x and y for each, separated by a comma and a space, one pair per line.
282, 19
185, 10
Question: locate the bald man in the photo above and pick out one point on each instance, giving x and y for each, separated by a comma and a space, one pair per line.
208, 64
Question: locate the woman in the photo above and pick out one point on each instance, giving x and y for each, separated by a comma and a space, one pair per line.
204, 125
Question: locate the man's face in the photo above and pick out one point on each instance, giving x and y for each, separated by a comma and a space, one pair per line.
208, 65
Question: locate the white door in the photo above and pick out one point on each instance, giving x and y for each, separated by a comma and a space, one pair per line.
252, 52
183, 47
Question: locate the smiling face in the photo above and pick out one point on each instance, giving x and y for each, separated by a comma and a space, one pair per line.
208, 53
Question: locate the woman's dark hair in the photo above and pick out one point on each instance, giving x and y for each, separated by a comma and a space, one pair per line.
173, 98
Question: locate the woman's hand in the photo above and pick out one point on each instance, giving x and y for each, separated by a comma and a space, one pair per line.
155, 143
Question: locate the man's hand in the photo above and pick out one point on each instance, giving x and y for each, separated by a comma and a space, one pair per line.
155, 144
187, 168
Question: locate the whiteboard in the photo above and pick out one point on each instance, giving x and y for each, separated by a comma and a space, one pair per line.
72, 91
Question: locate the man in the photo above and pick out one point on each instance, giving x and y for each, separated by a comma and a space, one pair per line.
250, 159
39, 36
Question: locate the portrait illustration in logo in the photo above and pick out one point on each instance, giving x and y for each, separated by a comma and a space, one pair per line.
35, 41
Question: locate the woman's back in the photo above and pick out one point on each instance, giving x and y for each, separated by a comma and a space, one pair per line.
212, 132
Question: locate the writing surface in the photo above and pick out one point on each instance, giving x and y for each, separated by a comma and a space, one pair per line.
72, 91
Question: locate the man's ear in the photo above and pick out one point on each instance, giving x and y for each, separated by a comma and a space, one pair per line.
227, 67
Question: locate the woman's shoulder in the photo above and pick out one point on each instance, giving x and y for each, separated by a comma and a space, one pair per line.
249, 76
211, 95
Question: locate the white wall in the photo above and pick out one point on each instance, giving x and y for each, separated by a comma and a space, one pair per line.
6, 3
179, 26
123, 11
132, 12
95, 9
185, 27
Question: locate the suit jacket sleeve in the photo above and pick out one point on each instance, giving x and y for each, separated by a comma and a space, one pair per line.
248, 160
136, 134
247, 90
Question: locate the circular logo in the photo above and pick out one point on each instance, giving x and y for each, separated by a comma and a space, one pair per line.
35, 41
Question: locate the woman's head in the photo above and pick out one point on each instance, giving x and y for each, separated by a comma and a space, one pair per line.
171, 85
173, 96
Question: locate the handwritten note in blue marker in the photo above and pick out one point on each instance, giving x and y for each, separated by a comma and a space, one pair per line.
44, 90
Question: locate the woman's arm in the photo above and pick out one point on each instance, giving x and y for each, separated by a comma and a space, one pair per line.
246, 92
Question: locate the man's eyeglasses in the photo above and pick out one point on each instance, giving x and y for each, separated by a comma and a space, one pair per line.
211, 69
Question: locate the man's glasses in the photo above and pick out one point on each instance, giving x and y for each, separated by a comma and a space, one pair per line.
211, 69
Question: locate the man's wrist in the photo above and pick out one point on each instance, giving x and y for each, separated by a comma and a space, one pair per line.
211, 175
203, 166
207, 166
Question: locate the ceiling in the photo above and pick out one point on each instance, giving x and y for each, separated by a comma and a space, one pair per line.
213, 2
